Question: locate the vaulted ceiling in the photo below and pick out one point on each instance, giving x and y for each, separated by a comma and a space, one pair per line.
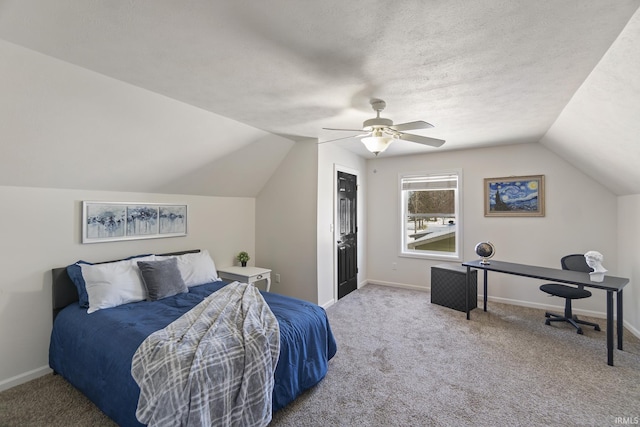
484, 73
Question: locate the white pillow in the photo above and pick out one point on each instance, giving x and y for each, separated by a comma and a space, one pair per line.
195, 268
114, 283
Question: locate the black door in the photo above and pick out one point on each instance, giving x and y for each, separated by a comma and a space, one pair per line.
347, 234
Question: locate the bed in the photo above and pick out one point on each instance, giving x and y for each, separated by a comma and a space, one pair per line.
94, 351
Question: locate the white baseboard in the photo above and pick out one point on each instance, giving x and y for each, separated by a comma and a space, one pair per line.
23, 378
560, 309
332, 301
546, 307
328, 303
36, 373
399, 285
631, 329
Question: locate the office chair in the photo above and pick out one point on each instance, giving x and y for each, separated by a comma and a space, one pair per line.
575, 262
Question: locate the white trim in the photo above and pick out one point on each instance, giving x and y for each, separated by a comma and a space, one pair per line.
328, 303
560, 309
546, 307
631, 328
24, 377
459, 213
509, 301
399, 285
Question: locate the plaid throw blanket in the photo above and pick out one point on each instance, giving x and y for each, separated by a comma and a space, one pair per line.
212, 366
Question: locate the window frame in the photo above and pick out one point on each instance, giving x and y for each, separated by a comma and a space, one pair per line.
403, 205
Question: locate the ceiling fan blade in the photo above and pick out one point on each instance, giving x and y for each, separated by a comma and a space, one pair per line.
412, 126
346, 130
421, 139
345, 137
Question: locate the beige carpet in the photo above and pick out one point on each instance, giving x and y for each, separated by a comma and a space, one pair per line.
403, 361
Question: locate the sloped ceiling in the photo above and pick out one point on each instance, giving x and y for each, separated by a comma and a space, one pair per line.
599, 129
484, 73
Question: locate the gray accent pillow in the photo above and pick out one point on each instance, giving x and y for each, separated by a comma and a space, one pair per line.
161, 278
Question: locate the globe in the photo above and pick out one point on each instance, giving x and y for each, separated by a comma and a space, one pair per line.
485, 250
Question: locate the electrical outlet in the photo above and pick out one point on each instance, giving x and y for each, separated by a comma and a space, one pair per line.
394, 265
277, 278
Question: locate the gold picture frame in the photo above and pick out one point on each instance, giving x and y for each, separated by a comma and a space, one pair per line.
514, 196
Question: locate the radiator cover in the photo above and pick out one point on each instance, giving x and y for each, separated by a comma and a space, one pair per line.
448, 287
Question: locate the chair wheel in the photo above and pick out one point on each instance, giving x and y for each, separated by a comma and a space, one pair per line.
597, 328
580, 331
547, 322
547, 315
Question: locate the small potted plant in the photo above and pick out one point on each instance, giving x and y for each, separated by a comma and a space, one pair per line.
243, 257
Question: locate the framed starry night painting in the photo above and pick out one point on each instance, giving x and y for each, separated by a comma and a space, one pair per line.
514, 196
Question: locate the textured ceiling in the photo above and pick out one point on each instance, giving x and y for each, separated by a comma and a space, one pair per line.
483, 72
599, 130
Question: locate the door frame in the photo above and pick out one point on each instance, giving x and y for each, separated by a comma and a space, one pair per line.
339, 168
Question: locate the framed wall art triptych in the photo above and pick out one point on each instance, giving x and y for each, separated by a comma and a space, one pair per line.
112, 221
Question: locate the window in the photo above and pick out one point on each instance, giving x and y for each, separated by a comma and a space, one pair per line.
431, 215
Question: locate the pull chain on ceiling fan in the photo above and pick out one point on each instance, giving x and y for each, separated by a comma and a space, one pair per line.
380, 132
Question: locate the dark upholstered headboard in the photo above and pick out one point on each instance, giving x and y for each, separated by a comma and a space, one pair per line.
64, 291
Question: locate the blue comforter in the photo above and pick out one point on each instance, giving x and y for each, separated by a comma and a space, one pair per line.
94, 351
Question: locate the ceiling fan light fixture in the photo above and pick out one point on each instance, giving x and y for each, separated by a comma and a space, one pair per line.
377, 144
381, 131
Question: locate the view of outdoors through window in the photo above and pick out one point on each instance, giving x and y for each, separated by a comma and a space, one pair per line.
430, 214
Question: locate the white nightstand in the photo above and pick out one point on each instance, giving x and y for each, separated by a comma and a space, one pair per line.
246, 274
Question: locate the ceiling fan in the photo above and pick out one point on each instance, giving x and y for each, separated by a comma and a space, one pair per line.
379, 132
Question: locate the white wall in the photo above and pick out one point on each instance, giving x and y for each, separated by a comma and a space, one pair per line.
629, 258
41, 229
75, 128
294, 215
581, 215
286, 223
330, 157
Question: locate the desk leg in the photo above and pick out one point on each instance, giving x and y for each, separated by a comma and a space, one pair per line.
268, 283
620, 319
610, 328
485, 290
466, 291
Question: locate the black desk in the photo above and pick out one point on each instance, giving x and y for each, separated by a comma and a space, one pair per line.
610, 284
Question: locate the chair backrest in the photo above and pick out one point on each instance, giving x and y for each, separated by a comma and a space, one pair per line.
575, 262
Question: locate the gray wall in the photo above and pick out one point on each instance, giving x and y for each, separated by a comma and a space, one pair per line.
286, 223
581, 215
41, 229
